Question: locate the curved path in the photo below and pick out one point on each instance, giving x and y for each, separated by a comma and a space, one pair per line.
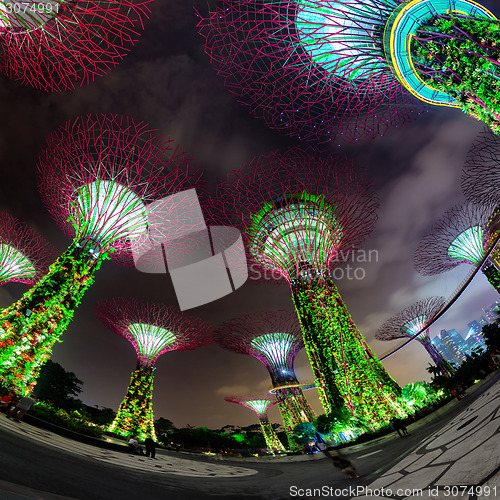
457, 445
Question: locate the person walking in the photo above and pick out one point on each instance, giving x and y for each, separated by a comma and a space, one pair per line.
150, 447
18, 412
342, 463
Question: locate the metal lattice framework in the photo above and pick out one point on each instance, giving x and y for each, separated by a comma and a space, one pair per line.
99, 172
309, 210
480, 174
152, 329
314, 68
259, 404
97, 176
346, 69
413, 319
62, 44
24, 254
274, 338
458, 237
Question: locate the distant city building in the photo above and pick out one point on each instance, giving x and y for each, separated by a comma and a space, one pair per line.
490, 313
482, 321
451, 345
474, 339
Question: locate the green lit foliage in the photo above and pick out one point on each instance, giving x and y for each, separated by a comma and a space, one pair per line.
492, 275
340, 425
305, 433
419, 394
272, 441
347, 372
30, 327
135, 415
294, 410
73, 420
460, 56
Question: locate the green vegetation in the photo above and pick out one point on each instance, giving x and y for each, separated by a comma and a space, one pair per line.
460, 56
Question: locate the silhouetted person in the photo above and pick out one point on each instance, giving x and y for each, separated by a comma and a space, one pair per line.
150, 447
399, 427
18, 412
134, 446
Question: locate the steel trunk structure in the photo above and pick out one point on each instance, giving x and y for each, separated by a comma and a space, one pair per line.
298, 223
346, 69
274, 338
259, 405
152, 329
97, 176
408, 322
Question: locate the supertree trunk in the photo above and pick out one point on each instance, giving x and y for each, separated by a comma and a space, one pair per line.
446, 369
347, 371
30, 327
492, 275
272, 440
294, 410
460, 55
135, 414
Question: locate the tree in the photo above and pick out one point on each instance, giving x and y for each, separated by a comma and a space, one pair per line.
58, 386
164, 429
491, 335
99, 415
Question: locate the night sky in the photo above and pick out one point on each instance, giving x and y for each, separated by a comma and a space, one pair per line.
167, 81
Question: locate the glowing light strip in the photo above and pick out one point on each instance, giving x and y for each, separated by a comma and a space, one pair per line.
415, 325
108, 211
276, 347
259, 406
468, 245
14, 265
151, 339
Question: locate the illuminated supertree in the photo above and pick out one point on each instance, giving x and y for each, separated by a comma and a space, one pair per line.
61, 44
460, 236
408, 322
259, 404
153, 329
481, 183
308, 214
274, 338
24, 254
306, 66
98, 174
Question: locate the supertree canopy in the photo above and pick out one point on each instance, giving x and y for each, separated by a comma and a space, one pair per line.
97, 176
318, 68
412, 322
61, 44
460, 236
274, 338
297, 223
481, 183
152, 329
23, 253
259, 404
311, 68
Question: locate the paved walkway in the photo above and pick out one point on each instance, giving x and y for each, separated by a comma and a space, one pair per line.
453, 453
461, 460
162, 464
